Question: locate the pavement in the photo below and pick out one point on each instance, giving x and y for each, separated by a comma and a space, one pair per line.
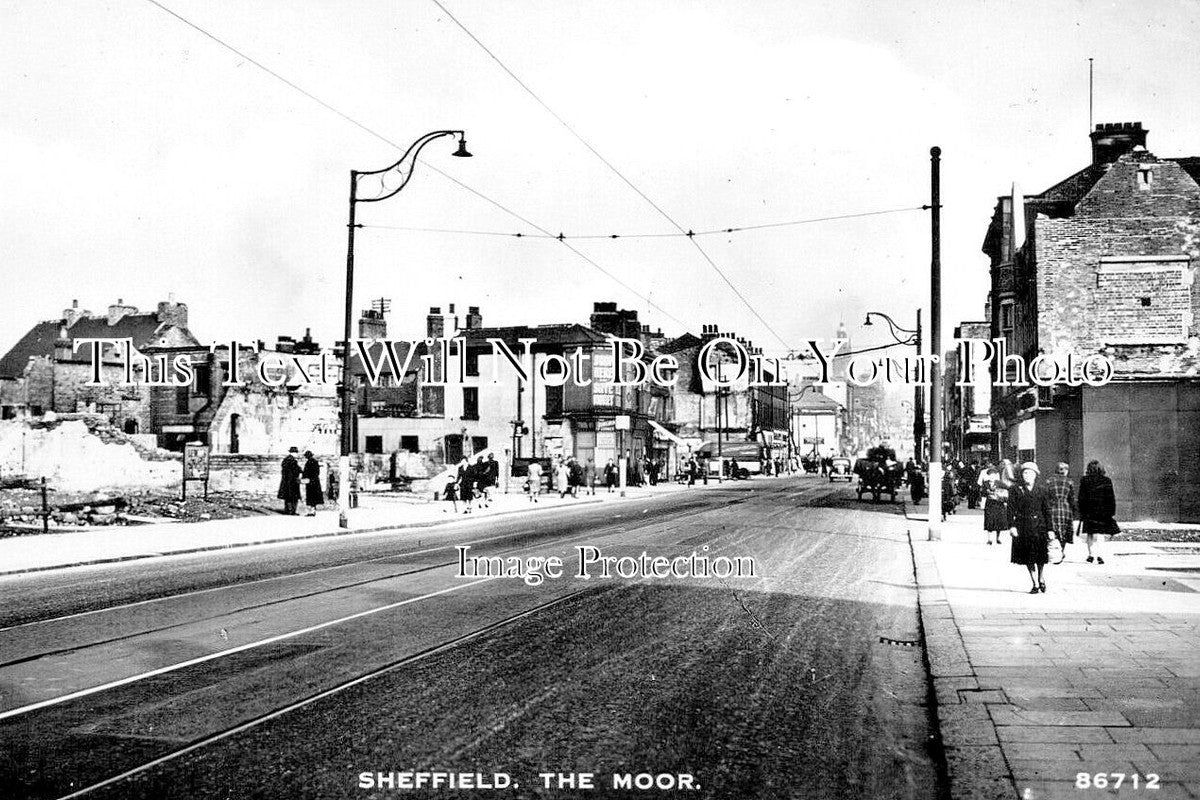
376, 512
1091, 689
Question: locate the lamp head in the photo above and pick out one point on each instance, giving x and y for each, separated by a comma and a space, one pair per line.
462, 152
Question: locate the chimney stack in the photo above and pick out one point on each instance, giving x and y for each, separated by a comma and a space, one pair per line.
435, 323
173, 313
372, 325
1111, 140
474, 318
119, 310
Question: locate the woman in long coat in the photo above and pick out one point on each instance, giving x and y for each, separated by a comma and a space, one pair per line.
1097, 507
1029, 520
994, 489
313, 496
1062, 505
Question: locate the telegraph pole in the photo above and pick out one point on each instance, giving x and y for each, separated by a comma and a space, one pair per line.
935, 347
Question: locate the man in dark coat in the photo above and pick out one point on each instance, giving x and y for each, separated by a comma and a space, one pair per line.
289, 482
1030, 516
313, 496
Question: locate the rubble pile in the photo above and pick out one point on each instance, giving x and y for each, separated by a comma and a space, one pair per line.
21, 509
83, 452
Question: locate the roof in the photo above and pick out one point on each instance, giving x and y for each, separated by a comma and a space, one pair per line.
144, 329
815, 401
562, 334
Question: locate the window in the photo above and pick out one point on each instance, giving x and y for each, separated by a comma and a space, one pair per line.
375, 445
470, 402
1006, 317
554, 401
183, 397
472, 365
203, 382
410, 443
1145, 177
433, 401
478, 444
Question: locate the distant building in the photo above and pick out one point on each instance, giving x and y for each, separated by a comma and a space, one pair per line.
1103, 262
817, 422
968, 430
739, 420
46, 370
528, 419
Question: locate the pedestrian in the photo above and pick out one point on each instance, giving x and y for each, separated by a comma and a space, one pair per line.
493, 475
313, 496
289, 482
535, 480
995, 502
949, 491
610, 475
450, 490
916, 483
576, 478
1062, 506
691, 470
589, 476
483, 477
562, 477
1097, 509
466, 484
1029, 520
972, 485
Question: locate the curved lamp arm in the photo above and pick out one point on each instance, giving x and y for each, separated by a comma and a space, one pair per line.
371, 187
910, 336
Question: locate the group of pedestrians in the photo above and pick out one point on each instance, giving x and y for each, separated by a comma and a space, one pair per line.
472, 483
569, 477
296, 482
1041, 514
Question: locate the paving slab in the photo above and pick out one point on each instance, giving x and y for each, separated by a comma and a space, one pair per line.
1100, 674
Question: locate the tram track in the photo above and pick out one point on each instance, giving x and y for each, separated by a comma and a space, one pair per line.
623, 527
299, 704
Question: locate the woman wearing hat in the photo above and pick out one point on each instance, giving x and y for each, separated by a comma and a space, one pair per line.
313, 496
1030, 517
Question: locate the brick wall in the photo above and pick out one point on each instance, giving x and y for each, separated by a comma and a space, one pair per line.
1091, 283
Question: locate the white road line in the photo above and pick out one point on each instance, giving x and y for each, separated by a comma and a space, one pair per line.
254, 723
240, 648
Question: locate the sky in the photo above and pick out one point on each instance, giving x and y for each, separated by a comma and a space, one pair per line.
140, 158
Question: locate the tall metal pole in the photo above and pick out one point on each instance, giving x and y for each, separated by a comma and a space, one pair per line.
935, 321
347, 413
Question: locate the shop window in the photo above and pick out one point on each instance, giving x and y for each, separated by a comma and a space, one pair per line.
410, 443
374, 445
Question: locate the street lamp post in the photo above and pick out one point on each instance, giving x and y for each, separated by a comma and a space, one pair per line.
910, 337
935, 321
371, 187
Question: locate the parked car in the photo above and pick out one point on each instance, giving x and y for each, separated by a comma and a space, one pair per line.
840, 470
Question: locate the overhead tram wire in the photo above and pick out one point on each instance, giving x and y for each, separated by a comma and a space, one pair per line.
393, 144
600, 236
615, 171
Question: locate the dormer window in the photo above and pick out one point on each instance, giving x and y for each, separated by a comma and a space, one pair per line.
1145, 177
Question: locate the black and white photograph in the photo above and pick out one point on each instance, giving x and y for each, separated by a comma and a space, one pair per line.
604, 398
